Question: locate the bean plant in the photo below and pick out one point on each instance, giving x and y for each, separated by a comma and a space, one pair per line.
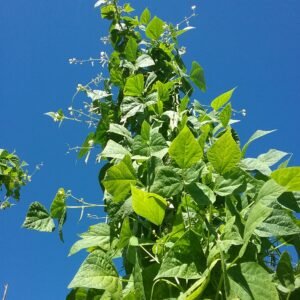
188, 214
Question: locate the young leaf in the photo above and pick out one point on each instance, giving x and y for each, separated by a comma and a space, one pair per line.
97, 236
148, 205
221, 100
58, 204
98, 272
197, 76
288, 178
38, 218
145, 16
250, 281
185, 149
131, 49
119, 179
134, 85
256, 135
225, 115
224, 154
155, 28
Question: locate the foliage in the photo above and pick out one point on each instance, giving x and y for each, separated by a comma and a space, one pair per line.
12, 177
190, 216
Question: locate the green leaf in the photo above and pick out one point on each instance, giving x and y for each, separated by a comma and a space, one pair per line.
138, 278
201, 193
144, 61
120, 130
251, 164
98, 272
167, 182
130, 106
249, 281
224, 154
134, 85
221, 100
197, 76
185, 259
38, 218
125, 234
288, 178
227, 186
145, 16
155, 28
85, 294
257, 215
185, 149
127, 8
225, 115
108, 12
131, 49
114, 150
58, 205
97, 236
285, 272
279, 223
272, 157
119, 178
257, 134
269, 193
148, 205
87, 145
156, 146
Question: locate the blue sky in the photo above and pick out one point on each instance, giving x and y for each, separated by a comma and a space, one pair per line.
254, 45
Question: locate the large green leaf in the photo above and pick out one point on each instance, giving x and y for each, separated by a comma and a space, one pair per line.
144, 61
38, 218
155, 146
224, 154
226, 186
134, 85
185, 259
85, 294
185, 149
148, 205
225, 115
221, 100
167, 182
279, 223
288, 177
119, 178
197, 76
201, 193
114, 150
155, 28
98, 272
97, 236
269, 193
249, 281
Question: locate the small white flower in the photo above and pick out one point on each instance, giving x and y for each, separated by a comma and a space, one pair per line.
193, 7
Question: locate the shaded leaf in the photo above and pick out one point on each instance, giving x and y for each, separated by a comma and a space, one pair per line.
285, 272
38, 218
144, 61
131, 49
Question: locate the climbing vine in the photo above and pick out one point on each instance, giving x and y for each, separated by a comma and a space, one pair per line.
190, 215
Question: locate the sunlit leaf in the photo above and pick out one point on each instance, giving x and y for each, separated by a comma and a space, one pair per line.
197, 76
288, 178
155, 28
148, 205
221, 100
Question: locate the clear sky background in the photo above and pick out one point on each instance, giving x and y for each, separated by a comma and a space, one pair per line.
254, 45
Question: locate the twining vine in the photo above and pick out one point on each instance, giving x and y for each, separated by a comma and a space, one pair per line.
189, 214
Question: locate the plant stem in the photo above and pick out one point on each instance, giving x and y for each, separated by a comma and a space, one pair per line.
5, 292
